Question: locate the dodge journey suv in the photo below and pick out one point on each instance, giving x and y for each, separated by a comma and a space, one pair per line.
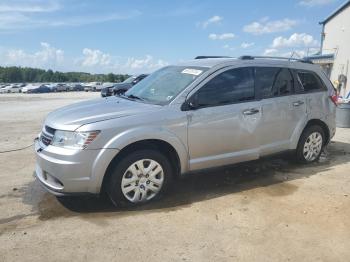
203, 113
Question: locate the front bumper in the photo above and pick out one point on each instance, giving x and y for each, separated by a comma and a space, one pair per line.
65, 172
58, 192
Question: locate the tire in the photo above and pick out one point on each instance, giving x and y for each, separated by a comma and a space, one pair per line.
310, 145
121, 172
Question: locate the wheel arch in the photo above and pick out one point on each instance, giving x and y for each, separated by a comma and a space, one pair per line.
323, 125
157, 144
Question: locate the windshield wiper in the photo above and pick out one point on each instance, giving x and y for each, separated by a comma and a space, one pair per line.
135, 97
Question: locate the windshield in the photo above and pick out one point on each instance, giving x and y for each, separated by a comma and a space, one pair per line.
165, 84
129, 80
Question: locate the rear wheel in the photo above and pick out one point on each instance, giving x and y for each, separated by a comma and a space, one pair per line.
310, 144
138, 178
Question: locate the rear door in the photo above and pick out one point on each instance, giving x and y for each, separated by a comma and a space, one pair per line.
283, 111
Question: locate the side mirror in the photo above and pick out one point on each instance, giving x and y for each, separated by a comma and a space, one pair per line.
190, 104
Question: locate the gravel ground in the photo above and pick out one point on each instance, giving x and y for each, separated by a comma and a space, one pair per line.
266, 210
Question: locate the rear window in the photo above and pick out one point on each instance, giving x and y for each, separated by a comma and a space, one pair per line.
310, 82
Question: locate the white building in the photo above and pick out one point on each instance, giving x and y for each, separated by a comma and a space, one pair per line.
335, 48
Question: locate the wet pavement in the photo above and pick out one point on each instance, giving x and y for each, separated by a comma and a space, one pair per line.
266, 210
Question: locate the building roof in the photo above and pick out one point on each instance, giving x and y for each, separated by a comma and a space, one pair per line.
325, 56
321, 59
336, 12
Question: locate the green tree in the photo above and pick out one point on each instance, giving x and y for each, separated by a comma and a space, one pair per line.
15, 74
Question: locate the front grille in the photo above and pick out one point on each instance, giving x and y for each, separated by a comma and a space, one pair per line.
45, 139
49, 130
47, 135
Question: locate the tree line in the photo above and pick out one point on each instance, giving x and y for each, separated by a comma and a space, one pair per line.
14, 74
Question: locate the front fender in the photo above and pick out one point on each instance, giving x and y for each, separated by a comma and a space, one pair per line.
137, 134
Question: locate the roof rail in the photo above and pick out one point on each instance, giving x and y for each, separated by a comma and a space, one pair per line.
248, 57
210, 56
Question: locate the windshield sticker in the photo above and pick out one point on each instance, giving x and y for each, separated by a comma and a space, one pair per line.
192, 71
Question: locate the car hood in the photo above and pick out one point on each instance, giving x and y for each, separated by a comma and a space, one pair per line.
73, 116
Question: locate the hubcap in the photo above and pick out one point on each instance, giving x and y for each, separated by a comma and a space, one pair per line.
312, 146
142, 180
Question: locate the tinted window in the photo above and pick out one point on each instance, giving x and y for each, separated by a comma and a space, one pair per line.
232, 86
265, 78
273, 81
284, 83
309, 82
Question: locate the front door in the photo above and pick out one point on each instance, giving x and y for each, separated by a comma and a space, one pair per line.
222, 124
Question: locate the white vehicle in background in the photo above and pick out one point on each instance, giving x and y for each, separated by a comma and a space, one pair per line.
93, 86
29, 87
12, 88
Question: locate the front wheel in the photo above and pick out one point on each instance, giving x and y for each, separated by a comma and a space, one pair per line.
310, 144
138, 178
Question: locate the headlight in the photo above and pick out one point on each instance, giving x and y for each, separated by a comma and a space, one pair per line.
73, 140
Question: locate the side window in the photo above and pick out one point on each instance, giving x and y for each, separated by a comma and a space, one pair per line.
273, 81
265, 78
309, 82
284, 83
232, 86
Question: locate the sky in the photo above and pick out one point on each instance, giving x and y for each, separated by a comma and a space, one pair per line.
137, 36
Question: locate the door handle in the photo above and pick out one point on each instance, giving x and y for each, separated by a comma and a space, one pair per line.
298, 103
251, 111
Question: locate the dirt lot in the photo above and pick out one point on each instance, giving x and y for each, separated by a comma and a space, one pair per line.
267, 210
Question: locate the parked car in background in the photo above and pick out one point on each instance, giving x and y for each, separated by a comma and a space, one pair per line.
36, 88
75, 87
107, 89
93, 86
40, 89
196, 115
121, 88
12, 88
52, 86
29, 86
60, 87
4, 88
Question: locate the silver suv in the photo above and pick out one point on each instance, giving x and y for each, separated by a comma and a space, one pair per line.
204, 113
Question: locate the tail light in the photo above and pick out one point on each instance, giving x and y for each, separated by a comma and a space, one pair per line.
334, 99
